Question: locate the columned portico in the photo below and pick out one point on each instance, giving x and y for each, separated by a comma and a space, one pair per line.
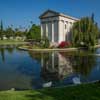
51, 33
56, 26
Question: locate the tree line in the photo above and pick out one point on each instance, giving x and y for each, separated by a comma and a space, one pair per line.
32, 33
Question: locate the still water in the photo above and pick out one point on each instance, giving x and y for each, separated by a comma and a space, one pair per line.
30, 70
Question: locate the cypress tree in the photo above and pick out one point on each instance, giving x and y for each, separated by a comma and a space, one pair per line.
1, 30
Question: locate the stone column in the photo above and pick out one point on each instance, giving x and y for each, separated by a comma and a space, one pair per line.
41, 31
63, 30
68, 31
46, 29
52, 31
59, 30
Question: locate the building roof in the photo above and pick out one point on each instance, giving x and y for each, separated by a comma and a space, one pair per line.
56, 14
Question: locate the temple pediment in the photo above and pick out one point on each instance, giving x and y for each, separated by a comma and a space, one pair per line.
49, 13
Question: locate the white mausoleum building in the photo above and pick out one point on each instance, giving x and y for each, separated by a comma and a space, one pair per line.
56, 26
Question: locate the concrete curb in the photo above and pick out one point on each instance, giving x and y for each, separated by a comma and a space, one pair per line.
57, 49
49, 50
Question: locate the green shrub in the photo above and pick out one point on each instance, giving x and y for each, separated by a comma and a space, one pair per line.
86, 31
45, 42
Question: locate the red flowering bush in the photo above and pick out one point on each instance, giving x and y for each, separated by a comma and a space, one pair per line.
64, 44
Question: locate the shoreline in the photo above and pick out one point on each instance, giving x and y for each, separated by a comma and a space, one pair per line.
56, 49
48, 50
13, 43
82, 92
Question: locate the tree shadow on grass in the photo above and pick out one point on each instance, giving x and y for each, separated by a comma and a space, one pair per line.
39, 96
51, 94
81, 92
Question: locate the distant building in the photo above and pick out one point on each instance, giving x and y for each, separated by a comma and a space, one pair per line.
56, 26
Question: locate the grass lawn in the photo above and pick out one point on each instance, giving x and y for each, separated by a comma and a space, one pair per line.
5, 42
81, 92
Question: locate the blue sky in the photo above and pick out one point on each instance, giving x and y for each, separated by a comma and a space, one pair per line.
21, 12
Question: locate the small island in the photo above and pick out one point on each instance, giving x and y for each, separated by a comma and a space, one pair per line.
83, 33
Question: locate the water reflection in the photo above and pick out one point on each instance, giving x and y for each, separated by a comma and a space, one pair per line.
27, 70
82, 63
64, 68
54, 66
11, 62
2, 54
8, 48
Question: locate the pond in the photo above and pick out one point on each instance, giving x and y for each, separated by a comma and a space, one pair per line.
30, 70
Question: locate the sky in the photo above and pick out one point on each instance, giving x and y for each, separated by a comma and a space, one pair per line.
22, 12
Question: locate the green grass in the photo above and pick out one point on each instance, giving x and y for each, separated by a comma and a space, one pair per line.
81, 92
4, 42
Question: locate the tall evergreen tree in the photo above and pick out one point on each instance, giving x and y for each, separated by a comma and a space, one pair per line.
92, 17
1, 30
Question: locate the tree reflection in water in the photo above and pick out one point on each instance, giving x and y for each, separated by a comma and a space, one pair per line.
4, 48
2, 51
82, 62
59, 66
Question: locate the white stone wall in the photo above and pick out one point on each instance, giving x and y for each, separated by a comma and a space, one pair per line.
57, 29
61, 31
65, 26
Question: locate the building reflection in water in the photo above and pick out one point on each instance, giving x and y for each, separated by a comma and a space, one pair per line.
54, 67
60, 68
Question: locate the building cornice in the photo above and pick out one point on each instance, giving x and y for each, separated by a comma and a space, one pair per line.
57, 14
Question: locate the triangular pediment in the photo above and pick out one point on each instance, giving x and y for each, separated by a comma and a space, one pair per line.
49, 13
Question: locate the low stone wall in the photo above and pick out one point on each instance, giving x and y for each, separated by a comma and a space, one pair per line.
56, 49
48, 50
